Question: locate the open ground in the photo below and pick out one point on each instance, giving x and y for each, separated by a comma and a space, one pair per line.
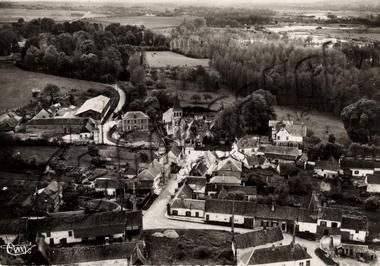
163, 59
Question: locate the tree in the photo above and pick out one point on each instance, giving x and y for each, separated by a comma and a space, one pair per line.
207, 97
50, 58
51, 90
138, 75
331, 138
87, 47
361, 120
372, 203
195, 98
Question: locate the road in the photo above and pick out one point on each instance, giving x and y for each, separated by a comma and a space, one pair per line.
121, 98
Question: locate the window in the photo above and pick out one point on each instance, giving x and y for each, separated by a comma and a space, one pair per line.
188, 213
278, 137
323, 223
70, 233
301, 264
197, 214
174, 212
356, 172
334, 225
48, 234
308, 263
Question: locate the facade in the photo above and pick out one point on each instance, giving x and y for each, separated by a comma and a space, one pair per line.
108, 186
373, 182
95, 108
286, 133
327, 169
186, 207
58, 125
354, 228
268, 216
281, 154
134, 120
171, 120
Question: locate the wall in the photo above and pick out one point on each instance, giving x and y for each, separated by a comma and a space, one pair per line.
361, 172
182, 212
328, 223
326, 173
373, 188
287, 263
58, 235
310, 227
220, 217
360, 236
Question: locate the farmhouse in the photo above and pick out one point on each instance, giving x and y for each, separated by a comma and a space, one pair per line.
373, 182
59, 125
95, 108
329, 221
197, 184
354, 228
76, 228
287, 133
276, 216
220, 212
186, 207
134, 120
328, 168
281, 154
289, 255
217, 182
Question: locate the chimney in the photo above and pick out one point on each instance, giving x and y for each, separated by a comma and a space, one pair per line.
272, 209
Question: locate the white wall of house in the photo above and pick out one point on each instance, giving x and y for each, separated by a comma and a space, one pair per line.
356, 235
283, 136
58, 235
307, 227
326, 173
361, 172
289, 263
182, 212
221, 217
329, 223
110, 192
373, 188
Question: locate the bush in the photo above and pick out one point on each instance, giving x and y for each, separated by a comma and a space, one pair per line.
202, 252
372, 203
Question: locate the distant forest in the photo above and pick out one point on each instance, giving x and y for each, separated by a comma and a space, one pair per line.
78, 49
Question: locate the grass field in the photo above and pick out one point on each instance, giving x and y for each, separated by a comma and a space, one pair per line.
322, 124
163, 59
16, 86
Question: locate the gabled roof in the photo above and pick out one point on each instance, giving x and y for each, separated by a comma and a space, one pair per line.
331, 164
373, 178
275, 254
135, 115
185, 192
280, 152
277, 212
307, 216
294, 130
229, 164
96, 104
225, 180
42, 114
176, 150
355, 223
244, 208
258, 237
199, 169
330, 214
190, 204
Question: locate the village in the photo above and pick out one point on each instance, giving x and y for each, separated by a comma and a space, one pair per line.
131, 146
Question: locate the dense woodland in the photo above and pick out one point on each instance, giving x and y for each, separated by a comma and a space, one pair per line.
78, 49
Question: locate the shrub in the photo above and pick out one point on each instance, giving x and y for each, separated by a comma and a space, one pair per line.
372, 203
202, 252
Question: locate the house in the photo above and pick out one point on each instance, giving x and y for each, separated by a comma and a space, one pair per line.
42, 114
87, 132
172, 118
217, 182
307, 221
220, 212
174, 154
373, 182
288, 255
49, 199
59, 125
199, 169
327, 168
77, 228
184, 192
354, 228
134, 120
244, 244
107, 185
360, 167
276, 216
229, 167
288, 134
11, 230
356, 251
268, 176
281, 154
95, 108
329, 221
197, 184
249, 193
186, 207
152, 176
257, 160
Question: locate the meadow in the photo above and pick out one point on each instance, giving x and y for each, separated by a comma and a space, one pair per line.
163, 59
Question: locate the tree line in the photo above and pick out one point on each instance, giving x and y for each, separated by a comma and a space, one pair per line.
78, 49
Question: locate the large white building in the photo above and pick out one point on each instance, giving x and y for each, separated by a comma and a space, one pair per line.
172, 118
134, 120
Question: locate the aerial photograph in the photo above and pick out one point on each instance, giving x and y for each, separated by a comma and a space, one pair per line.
190, 132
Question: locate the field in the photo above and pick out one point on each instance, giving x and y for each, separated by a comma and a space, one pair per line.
163, 59
322, 124
16, 86
150, 22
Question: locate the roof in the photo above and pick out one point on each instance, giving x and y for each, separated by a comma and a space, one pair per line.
277, 212
373, 178
104, 182
248, 141
247, 190
188, 204
256, 160
369, 163
199, 169
176, 150
294, 129
355, 223
280, 152
307, 216
135, 115
83, 225
42, 114
258, 237
96, 104
229, 164
225, 180
59, 121
177, 103
244, 208
185, 192
330, 214
331, 164
290, 252
272, 123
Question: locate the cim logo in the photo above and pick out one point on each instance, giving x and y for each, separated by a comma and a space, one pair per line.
18, 250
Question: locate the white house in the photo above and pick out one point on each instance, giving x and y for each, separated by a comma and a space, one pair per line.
286, 133
171, 118
289, 255
354, 228
373, 182
107, 185
134, 120
187, 207
307, 221
327, 168
360, 167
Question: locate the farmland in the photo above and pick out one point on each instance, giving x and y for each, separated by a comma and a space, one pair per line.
163, 59
16, 86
